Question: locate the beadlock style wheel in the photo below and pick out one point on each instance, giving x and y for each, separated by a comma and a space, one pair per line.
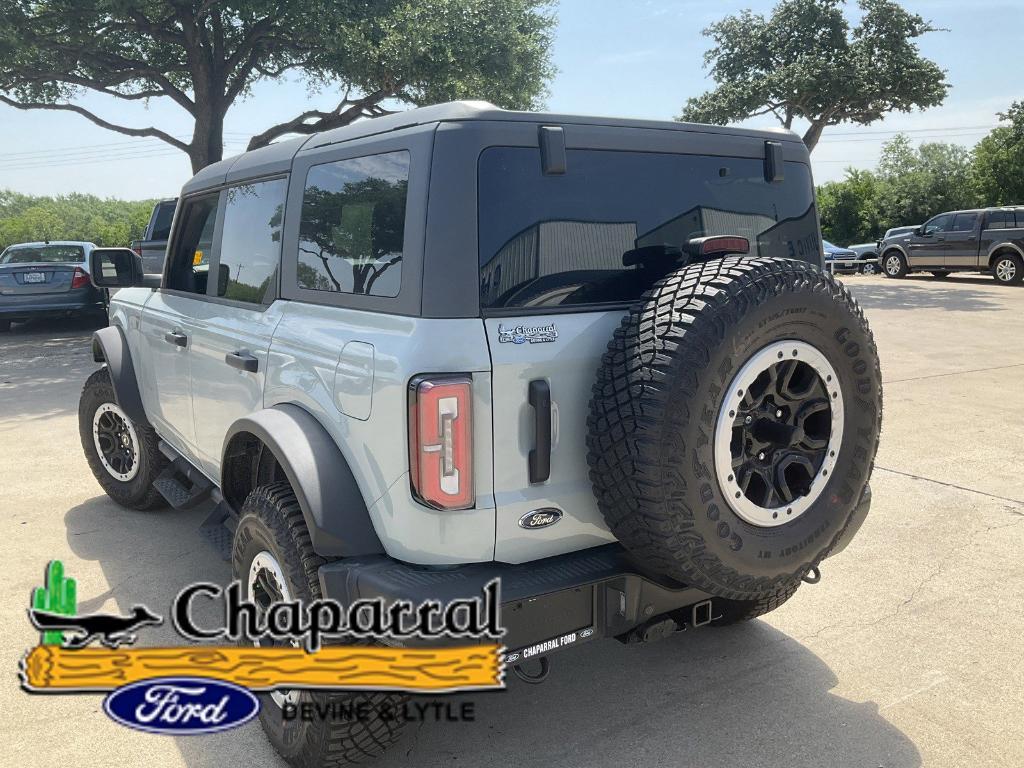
117, 443
778, 433
266, 585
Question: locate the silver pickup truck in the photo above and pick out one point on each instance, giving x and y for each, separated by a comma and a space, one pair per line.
989, 240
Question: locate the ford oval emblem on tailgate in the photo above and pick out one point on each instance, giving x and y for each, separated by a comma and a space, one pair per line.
181, 705
540, 518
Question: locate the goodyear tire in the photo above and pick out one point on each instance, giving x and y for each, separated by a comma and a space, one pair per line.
734, 423
273, 558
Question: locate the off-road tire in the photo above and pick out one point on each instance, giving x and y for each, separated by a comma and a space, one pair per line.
271, 520
137, 493
655, 404
728, 612
887, 266
1018, 269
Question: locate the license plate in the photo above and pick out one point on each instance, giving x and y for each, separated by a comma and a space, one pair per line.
35, 277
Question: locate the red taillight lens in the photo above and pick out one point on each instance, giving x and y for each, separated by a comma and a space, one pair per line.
441, 441
713, 245
80, 279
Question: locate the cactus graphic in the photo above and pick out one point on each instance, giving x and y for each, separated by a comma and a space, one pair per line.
58, 596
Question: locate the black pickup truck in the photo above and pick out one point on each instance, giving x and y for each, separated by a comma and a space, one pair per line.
989, 240
153, 245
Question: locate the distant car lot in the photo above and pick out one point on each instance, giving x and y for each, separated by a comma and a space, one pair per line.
901, 657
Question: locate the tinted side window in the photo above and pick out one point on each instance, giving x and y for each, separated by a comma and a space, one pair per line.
162, 216
352, 231
190, 259
616, 222
250, 248
998, 219
938, 224
964, 222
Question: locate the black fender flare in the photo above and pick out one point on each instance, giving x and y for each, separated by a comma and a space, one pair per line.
111, 347
332, 505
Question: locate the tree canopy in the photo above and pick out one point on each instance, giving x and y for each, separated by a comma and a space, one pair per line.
204, 56
28, 218
804, 62
999, 161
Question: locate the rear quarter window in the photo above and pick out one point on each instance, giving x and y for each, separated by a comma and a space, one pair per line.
560, 240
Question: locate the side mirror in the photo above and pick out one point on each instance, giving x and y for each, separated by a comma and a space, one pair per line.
115, 268
920, 231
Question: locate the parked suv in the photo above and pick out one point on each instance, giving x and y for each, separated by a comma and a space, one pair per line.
990, 240
595, 358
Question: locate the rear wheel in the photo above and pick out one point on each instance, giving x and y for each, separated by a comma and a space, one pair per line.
124, 455
273, 558
1008, 269
894, 264
733, 424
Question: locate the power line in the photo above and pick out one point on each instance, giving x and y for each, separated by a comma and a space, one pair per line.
919, 130
93, 155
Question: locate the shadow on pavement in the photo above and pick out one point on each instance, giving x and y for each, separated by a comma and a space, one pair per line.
43, 364
740, 696
924, 293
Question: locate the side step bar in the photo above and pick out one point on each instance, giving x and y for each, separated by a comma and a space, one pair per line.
180, 483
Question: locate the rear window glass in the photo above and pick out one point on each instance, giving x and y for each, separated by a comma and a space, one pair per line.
44, 254
562, 240
162, 221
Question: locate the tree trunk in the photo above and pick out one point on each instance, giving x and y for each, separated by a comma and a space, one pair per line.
813, 134
207, 145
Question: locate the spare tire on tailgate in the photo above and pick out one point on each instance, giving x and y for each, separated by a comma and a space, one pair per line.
734, 424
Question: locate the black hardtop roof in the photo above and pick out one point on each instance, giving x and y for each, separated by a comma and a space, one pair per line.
277, 157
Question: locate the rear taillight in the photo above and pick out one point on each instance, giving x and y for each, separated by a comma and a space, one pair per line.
441, 441
80, 279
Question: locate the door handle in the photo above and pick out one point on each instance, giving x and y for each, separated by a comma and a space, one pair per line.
540, 454
176, 338
243, 361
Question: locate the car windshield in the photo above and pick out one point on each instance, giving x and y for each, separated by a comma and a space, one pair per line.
43, 254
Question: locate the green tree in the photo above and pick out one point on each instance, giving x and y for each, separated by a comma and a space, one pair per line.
999, 161
27, 218
849, 208
204, 56
919, 183
804, 62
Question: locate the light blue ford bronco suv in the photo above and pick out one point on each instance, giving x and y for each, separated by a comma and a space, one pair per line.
595, 358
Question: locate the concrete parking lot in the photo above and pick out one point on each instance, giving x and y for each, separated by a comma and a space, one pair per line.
907, 653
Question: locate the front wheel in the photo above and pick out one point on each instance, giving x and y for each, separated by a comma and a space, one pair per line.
1008, 269
273, 559
895, 265
123, 455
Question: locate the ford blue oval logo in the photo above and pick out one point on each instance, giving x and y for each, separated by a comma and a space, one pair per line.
181, 705
540, 518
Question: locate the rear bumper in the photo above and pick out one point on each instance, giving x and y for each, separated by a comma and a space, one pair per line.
13, 306
551, 604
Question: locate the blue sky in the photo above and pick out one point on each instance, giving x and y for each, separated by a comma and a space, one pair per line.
639, 58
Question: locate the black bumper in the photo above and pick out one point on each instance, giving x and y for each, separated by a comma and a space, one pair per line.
551, 604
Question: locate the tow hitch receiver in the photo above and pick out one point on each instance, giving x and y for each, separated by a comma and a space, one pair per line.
700, 614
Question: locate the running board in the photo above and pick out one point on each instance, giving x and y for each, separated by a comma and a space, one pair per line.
181, 484
219, 529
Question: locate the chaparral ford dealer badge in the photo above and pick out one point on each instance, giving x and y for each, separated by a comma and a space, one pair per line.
521, 334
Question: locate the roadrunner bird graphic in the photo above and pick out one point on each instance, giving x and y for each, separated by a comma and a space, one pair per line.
111, 630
